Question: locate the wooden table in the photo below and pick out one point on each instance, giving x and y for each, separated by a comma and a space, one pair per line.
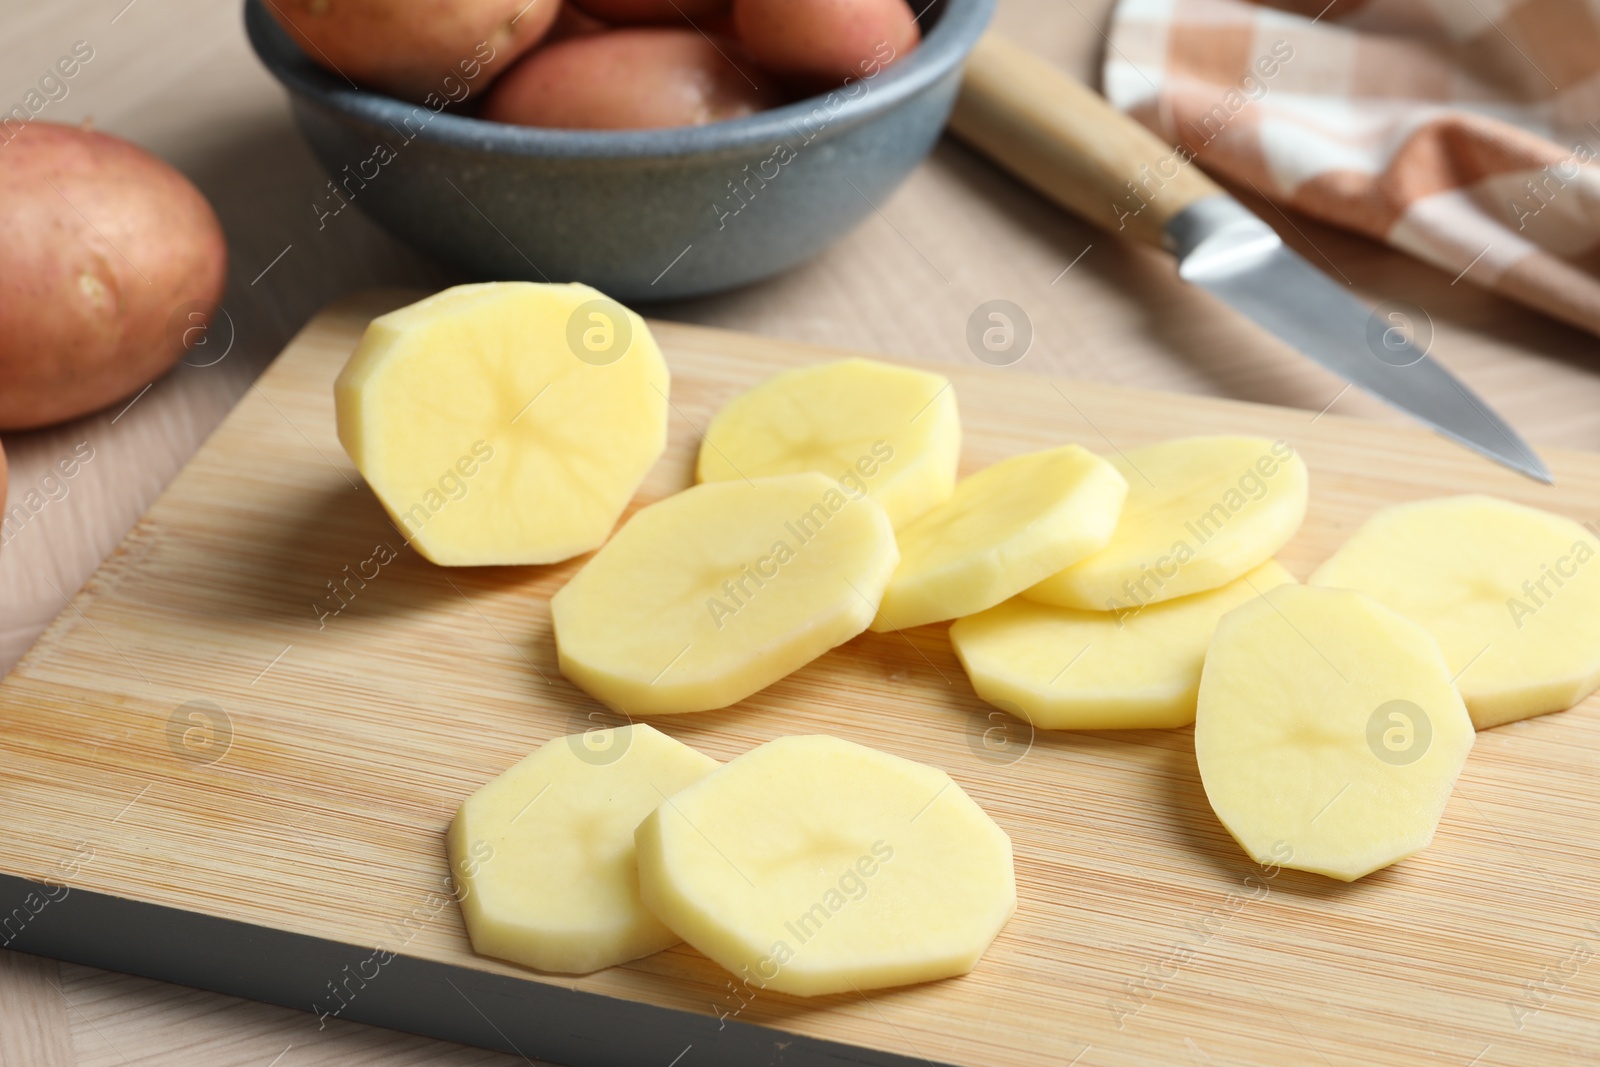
178, 77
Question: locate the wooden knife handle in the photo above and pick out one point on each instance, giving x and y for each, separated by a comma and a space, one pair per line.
1068, 142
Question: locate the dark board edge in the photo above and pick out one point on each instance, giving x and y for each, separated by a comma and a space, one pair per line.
533, 1019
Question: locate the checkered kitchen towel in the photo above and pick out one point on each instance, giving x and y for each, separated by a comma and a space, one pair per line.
1466, 132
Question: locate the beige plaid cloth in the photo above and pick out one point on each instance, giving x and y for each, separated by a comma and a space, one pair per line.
1461, 131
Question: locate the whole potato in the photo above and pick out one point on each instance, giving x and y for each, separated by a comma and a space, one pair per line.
821, 43
104, 247
632, 79
663, 11
428, 51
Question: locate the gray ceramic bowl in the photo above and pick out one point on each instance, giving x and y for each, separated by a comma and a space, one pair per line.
639, 214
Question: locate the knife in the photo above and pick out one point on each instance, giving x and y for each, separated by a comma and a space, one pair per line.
1069, 143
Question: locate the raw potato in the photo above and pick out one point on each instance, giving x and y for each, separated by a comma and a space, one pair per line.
543, 856
632, 79
826, 42
1328, 733
111, 267
892, 429
673, 12
812, 865
1511, 594
1200, 512
419, 50
1066, 669
1004, 529
713, 594
507, 422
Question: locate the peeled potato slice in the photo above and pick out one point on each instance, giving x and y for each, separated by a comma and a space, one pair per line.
890, 430
1004, 529
1200, 512
708, 596
1328, 733
507, 422
543, 856
811, 865
1066, 669
1511, 594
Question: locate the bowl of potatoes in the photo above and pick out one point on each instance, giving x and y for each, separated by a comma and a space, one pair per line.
655, 149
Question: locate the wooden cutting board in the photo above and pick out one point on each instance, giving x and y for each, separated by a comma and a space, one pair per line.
205, 781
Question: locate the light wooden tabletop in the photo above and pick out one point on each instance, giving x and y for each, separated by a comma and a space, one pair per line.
177, 77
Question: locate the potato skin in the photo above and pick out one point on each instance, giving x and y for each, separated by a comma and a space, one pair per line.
80, 325
663, 12
632, 79
414, 49
821, 43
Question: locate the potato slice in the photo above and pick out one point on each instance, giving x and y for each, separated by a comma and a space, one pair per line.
1511, 594
708, 596
1328, 733
1004, 529
812, 865
543, 856
1066, 669
508, 422
1200, 512
891, 430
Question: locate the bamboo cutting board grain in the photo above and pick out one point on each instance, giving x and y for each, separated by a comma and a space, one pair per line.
194, 741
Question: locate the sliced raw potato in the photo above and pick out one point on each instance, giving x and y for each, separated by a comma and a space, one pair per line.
1511, 593
1200, 512
1328, 733
890, 431
812, 865
504, 423
543, 856
1066, 669
1004, 529
712, 594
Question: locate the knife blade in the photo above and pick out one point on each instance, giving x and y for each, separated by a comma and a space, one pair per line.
1227, 250
1070, 143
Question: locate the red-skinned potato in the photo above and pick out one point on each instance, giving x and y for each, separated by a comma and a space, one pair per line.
105, 247
820, 43
632, 79
427, 51
663, 12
